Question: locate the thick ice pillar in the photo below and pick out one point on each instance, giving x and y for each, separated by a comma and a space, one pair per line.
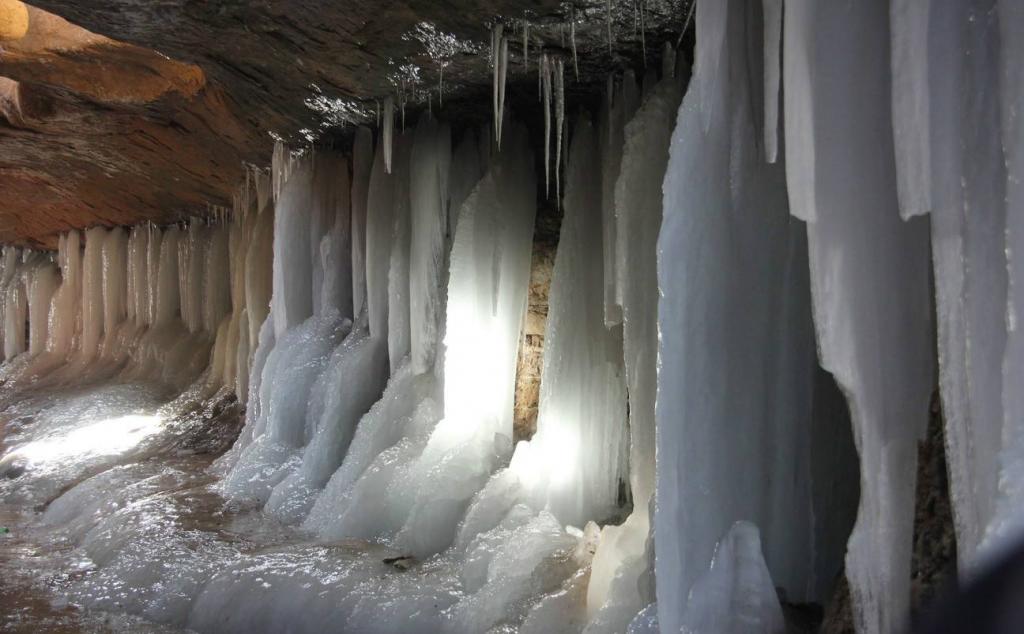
581, 440
869, 276
949, 162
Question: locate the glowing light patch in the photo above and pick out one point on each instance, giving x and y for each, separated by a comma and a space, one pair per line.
106, 437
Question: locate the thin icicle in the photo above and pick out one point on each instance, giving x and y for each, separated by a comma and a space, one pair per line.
608, 22
440, 88
501, 86
495, 35
526, 45
499, 66
389, 131
545, 75
643, 30
559, 123
572, 42
401, 102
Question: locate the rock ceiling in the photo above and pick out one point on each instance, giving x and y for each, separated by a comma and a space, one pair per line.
117, 111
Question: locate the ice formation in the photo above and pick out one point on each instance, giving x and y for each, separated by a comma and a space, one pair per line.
742, 287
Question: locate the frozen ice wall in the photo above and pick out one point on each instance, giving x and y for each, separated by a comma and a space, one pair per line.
735, 383
869, 277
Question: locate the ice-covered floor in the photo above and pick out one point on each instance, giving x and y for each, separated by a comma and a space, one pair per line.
122, 529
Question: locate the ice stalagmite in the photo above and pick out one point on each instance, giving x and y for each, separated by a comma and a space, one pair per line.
869, 277
735, 596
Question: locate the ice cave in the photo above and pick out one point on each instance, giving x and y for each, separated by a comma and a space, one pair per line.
508, 316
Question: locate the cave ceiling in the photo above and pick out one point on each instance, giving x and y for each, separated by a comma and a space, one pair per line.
122, 111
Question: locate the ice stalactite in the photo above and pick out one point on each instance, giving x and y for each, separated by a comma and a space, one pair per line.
499, 68
950, 163
772, 76
1008, 523
544, 72
362, 161
608, 23
721, 198
525, 26
558, 80
572, 43
869, 277
388, 131
622, 99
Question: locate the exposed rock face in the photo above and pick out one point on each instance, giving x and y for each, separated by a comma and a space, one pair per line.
126, 110
93, 130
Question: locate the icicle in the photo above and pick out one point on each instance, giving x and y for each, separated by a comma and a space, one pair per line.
378, 113
495, 34
499, 64
559, 124
389, 131
401, 100
501, 88
643, 29
608, 22
545, 74
526, 45
440, 88
572, 42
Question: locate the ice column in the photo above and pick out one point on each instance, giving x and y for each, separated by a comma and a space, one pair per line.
869, 276
581, 440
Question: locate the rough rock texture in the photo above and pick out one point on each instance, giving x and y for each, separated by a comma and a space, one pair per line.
531, 342
147, 110
933, 565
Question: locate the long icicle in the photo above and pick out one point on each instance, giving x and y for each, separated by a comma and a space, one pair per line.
389, 130
559, 124
502, 76
608, 22
572, 42
643, 30
545, 74
495, 73
526, 45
